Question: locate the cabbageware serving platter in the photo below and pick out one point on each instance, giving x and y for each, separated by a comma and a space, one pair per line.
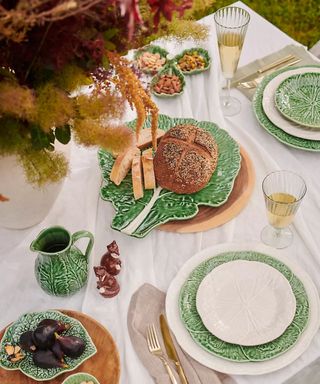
276, 117
245, 302
138, 218
298, 98
269, 126
236, 352
246, 367
29, 321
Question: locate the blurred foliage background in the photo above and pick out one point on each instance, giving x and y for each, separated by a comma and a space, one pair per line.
300, 19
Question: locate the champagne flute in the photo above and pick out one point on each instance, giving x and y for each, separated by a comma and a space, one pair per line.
283, 192
231, 26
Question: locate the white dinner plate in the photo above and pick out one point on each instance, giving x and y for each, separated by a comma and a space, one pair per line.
276, 117
246, 302
231, 367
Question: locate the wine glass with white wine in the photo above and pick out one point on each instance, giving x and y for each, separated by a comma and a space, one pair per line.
231, 26
283, 192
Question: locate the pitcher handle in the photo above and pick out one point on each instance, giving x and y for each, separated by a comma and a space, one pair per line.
78, 235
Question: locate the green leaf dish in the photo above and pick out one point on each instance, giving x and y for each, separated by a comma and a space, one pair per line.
169, 69
152, 49
235, 352
278, 133
202, 52
29, 321
78, 378
298, 99
169, 205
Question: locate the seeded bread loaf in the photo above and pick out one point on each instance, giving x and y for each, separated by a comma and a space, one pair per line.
185, 159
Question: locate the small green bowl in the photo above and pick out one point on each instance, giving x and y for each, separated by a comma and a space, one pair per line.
152, 49
172, 70
77, 378
201, 52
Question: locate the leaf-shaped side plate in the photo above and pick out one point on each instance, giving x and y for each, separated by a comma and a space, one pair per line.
169, 205
29, 321
201, 52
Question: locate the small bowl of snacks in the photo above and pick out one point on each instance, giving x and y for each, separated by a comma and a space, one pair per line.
192, 61
151, 59
80, 378
169, 82
43, 345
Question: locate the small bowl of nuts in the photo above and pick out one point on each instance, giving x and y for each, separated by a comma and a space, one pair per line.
80, 378
151, 59
169, 82
192, 61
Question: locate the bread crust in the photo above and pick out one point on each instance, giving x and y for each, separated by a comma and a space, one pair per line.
186, 159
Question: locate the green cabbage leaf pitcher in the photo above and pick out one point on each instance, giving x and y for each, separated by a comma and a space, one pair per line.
61, 268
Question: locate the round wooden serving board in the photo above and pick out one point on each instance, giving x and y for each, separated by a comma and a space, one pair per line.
104, 365
211, 217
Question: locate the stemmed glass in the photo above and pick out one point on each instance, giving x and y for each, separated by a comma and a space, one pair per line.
231, 26
283, 192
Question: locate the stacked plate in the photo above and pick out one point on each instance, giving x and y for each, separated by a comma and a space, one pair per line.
243, 309
287, 105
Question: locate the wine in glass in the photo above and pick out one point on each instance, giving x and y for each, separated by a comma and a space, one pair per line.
231, 26
283, 192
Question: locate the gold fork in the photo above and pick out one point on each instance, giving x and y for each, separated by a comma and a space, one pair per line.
155, 349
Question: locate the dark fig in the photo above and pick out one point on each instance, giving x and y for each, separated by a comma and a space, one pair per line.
26, 342
72, 346
47, 359
44, 336
57, 350
60, 326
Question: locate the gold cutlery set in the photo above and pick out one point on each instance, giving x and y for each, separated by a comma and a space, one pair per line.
251, 81
155, 348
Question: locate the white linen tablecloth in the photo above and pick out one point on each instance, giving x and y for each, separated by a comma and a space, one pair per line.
157, 258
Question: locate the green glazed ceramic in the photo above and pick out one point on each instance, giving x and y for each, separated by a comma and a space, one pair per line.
152, 49
156, 210
61, 269
235, 352
169, 69
78, 378
298, 99
278, 133
29, 321
201, 52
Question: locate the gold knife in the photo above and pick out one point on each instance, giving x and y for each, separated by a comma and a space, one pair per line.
274, 65
170, 348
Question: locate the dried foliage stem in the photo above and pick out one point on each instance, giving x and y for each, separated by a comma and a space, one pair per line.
131, 88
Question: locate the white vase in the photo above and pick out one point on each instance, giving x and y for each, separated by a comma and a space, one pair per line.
27, 205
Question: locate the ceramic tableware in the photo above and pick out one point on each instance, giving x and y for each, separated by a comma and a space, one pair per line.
259, 359
276, 117
270, 127
160, 206
245, 302
298, 99
29, 321
79, 378
61, 268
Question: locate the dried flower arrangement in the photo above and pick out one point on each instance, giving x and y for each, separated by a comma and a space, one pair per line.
48, 48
